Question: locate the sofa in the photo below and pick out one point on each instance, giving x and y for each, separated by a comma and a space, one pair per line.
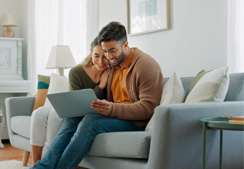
174, 143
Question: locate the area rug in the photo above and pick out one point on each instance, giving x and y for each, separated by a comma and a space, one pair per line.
13, 164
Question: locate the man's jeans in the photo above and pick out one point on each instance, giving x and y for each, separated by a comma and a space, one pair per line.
75, 138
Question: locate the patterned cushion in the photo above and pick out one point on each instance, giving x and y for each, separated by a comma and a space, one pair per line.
197, 78
43, 84
212, 87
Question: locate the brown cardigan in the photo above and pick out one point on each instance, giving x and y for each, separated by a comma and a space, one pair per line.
144, 83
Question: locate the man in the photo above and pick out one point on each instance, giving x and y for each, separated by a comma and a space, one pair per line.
135, 83
134, 89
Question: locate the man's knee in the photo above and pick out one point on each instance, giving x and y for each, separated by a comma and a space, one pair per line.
93, 122
90, 119
69, 125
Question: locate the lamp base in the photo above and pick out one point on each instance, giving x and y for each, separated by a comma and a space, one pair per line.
8, 33
61, 71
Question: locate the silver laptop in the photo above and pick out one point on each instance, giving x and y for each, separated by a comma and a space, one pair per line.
74, 103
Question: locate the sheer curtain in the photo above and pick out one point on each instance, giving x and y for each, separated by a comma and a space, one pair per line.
235, 51
59, 22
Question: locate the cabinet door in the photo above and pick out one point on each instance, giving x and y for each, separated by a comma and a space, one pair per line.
10, 55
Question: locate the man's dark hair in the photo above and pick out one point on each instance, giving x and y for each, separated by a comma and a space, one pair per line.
113, 31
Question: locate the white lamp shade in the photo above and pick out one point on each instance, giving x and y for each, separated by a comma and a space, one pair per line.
8, 20
60, 57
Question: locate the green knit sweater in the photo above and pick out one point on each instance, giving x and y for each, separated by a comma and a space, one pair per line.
79, 79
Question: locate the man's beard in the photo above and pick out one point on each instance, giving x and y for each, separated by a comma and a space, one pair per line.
120, 59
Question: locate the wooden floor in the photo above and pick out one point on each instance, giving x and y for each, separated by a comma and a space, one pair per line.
11, 153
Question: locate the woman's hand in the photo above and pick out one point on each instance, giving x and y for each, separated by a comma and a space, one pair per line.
104, 107
104, 78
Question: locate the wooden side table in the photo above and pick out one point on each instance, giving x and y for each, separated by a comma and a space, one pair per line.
1, 128
217, 123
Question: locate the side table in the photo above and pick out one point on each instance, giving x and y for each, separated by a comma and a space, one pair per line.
217, 123
1, 128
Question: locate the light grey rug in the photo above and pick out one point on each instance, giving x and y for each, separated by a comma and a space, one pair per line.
13, 164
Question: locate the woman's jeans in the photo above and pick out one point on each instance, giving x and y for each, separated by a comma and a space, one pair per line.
75, 138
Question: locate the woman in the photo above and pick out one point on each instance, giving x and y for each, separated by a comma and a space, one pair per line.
92, 73
45, 124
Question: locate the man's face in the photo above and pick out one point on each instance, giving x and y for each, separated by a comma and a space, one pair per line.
113, 52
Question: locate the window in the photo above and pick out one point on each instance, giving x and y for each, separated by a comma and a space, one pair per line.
59, 22
235, 51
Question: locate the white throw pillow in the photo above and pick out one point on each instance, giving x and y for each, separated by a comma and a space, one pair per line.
173, 92
212, 87
58, 84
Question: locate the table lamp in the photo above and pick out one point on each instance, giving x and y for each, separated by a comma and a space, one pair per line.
8, 21
60, 58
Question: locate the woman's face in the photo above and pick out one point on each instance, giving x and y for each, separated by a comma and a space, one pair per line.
98, 58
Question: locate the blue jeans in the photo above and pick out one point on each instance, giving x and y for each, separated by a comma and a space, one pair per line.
75, 138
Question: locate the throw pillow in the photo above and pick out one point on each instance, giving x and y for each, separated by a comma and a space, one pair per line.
173, 92
211, 87
197, 78
42, 89
58, 84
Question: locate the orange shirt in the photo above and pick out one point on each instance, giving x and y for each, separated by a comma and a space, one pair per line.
118, 87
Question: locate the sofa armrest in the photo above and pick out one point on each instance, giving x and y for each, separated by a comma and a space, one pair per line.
177, 135
19, 106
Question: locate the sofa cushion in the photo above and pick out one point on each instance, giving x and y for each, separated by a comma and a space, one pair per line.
58, 84
21, 125
173, 92
213, 86
122, 144
236, 87
197, 78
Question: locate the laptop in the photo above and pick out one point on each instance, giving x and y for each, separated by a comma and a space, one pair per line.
73, 103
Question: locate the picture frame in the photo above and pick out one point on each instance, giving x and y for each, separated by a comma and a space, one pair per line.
147, 16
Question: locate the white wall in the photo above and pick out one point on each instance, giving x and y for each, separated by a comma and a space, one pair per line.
9, 7
19, 9
196, 40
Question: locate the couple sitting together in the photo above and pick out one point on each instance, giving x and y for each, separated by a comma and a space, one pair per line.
131, 82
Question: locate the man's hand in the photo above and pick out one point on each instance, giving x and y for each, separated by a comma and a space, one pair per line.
104, 107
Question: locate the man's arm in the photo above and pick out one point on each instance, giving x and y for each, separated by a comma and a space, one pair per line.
144, 100
144, 89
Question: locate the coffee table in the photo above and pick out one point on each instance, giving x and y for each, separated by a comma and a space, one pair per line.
217, 123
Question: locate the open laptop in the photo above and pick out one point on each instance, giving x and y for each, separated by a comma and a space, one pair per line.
74, 103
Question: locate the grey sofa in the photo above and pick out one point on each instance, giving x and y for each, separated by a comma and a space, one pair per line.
174, 143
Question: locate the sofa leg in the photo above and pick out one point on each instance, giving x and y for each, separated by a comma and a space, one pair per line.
25, 157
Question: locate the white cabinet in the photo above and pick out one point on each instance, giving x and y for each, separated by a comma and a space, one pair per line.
11, 79
11, 58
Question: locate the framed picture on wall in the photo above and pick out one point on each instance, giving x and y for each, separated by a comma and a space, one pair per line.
146, 16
